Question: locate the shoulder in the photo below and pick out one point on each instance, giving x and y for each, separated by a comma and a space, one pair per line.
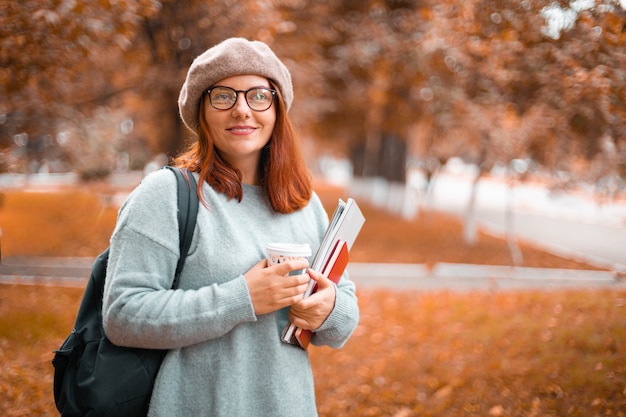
316, 212
153, 201
157, 187
158, 181
315, 203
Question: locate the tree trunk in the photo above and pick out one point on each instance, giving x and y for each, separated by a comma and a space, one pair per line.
516, 253
470, 230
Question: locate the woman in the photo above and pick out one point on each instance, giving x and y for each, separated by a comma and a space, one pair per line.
222, 326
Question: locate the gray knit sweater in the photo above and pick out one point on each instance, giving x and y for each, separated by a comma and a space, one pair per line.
223, 360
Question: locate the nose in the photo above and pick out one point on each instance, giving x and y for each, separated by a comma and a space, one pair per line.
241, 109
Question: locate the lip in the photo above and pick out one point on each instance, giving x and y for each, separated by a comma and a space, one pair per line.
241, 130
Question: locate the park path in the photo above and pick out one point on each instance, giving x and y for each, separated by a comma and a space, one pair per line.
74, 272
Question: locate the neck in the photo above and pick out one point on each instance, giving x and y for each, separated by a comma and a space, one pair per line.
249, 169
249, 179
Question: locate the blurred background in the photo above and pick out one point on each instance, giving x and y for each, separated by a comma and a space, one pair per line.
510, 114
389, 94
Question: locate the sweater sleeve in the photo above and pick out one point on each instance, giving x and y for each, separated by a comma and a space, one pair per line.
139, 307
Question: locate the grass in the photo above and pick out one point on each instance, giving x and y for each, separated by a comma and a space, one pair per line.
33, 322
414, 354
528, 353
477, 354
66, 223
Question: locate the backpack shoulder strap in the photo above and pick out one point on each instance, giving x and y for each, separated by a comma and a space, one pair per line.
188, 203
91, 305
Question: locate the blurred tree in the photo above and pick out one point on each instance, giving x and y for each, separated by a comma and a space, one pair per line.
514, 96
351, 101
52, 65
490, 81
485, 80
477, 74
64, 62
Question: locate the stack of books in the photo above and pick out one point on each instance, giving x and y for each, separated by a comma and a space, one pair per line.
331, 259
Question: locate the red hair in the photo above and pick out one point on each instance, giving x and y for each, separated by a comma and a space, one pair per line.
283, 173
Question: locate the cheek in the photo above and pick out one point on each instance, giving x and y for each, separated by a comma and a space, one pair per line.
210, 117
270, 122
271, 126
213, 124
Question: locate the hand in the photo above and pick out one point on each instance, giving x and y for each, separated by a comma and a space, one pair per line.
272, 289
311, 312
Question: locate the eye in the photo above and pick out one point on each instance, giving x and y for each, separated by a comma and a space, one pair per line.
222, 96
259, 94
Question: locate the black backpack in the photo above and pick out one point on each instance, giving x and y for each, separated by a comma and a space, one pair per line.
92, 376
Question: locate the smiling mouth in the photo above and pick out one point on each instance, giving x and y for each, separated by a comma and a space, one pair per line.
242, 130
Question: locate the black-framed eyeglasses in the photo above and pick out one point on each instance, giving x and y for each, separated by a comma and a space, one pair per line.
225, 98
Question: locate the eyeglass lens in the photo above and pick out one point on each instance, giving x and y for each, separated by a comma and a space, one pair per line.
258, 98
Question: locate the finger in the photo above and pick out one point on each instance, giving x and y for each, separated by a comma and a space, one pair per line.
295, 286
263, 263
314, 274
287, 267
297, 321
322, 281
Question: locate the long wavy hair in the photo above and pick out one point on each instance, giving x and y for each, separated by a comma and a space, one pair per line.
283, 173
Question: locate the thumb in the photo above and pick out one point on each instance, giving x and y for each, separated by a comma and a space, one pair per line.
261, 264
321, 280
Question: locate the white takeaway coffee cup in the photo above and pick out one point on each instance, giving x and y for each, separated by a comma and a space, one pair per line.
283, 252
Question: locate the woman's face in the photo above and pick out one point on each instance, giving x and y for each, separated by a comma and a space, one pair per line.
240, 133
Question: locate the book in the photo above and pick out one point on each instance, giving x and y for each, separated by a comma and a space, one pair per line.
344, 227
333, 270
337, 262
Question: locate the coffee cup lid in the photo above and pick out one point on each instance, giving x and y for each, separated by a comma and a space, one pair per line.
290, 249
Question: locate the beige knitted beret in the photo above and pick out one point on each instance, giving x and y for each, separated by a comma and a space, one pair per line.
234, 56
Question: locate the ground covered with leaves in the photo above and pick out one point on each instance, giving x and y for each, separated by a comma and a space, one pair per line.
444, 353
